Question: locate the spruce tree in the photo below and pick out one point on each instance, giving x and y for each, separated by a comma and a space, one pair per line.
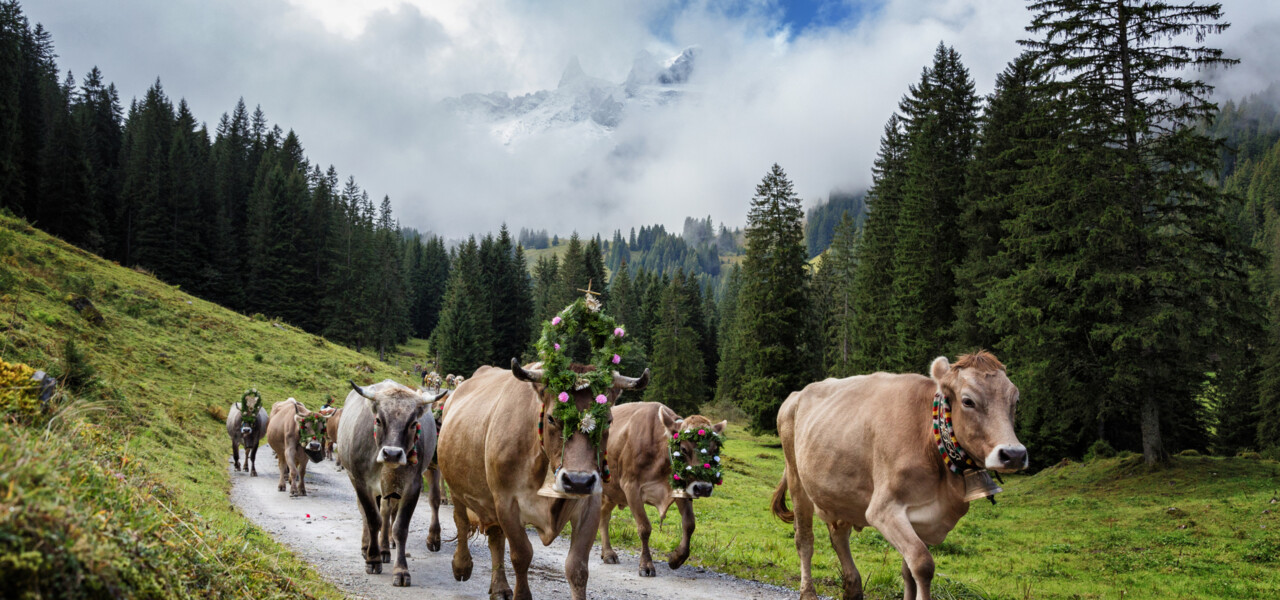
1122, 231
941, 116
730, 370
464, 336
677, 363
774, 307
874, 331
839, 266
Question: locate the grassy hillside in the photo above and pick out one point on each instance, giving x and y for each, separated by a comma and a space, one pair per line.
1201, 528
120, 486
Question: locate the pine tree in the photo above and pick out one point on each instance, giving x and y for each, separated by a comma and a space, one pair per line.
66, 207
13, 27
874, 331
774, 307
730, 372
839, 266
99, 115
390, 305
677, 364
1121, 230
941, 115
464, 336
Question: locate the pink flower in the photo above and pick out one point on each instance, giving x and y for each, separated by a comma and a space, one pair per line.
616, 359
677, 477
601, 399
556, 321
619, 332
564, 396
675, 436
702, 432
557, 346
706, 465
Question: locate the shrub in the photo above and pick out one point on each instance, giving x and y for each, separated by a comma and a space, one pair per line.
1247, 454
1189, 452
1099, 449
77, 373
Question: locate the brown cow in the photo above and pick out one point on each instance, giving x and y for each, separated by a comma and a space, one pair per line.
641, 468
494, 461
331, 423
861, 452
295, 435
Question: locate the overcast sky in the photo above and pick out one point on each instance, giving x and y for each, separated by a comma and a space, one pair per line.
808, 85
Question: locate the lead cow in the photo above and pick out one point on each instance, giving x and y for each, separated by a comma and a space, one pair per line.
641, 469
861, 452
384, 446
494, 457
246, 424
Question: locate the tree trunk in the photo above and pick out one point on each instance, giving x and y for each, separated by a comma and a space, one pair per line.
1152, 445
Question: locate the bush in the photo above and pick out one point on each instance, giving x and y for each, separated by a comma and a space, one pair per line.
1099, 449
1249, 455
1272, 453
77, 373
1189, 452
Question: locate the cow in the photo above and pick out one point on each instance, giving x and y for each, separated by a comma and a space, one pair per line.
331, 423
245, 425
433, 472
863, 451
384, 441
295, 435
641, 474
495, 454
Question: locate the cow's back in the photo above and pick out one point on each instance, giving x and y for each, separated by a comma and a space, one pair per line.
489, 440
282, 428
233, 422
846, 437
638, 453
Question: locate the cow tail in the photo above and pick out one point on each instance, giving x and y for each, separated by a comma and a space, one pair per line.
780, 501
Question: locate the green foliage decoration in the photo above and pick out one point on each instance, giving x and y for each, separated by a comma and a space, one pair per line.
582, 317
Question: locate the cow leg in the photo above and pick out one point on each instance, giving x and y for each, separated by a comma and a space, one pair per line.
251, 457
607, 555
369, 510
848, 571
433, 495
404, 514
804, 538
301, 472
687, 525
282, 464
386, 508
499, 589
522, 549
890, 519
585, 524
462, 554
644, 528
235, 454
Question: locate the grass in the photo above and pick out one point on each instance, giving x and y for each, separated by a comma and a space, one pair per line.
1201, 528
125, 491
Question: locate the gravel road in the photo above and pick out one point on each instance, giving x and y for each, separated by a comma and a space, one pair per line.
330, 540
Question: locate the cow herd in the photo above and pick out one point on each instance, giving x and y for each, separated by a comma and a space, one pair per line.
860, 451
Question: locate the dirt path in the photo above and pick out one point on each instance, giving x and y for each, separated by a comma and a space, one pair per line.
330, 540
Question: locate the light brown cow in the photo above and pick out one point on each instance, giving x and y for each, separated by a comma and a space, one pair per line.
331, 422
640, 463
295, 435
861, 452
494, 461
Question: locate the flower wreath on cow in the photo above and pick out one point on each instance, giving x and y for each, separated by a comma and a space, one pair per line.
704, 465
249, 412
583, 317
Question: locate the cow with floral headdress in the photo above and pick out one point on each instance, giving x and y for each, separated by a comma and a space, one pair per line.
246, 424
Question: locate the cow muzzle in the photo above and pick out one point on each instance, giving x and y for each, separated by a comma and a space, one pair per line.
392, 454
246, 430
314, 446
1007, 458
581, 483
700, 489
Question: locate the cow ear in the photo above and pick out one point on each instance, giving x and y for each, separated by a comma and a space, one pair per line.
940, 367
669, 420
719, 427
299, 418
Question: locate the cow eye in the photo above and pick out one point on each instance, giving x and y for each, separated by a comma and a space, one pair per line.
552, 421
968, 402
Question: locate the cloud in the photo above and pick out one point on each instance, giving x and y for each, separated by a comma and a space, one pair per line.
361, 83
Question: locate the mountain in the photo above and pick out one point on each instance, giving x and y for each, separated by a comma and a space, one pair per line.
592, 106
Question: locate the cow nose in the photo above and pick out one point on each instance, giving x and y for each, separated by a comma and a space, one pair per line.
702, 489
577, 482
1014, 457
245, 430
391, 452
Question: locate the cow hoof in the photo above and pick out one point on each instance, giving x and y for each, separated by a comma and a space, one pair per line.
433, 544
373, 568
253, 473
463, 573
675, 561
400, 580
501, 595
386, 557
647, 571
609, 558
280, 489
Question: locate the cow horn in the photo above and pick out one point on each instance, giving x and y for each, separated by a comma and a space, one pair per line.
358, 390
531, 375
631, 383
433, 398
